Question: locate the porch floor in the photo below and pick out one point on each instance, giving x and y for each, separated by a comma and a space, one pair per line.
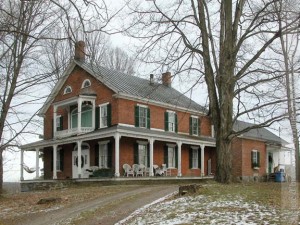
39, 184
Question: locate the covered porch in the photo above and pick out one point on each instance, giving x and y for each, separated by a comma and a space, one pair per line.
84, 149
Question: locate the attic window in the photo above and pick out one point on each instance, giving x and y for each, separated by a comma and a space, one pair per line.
67, 90
86, 83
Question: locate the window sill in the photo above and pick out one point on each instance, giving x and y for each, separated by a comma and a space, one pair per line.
255, 168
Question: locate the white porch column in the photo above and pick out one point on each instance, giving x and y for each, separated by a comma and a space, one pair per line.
54, 161
79, 107
179, 174
117, 154
37, 163
79, 169
202, 159
54, 120
22, 163
151, 143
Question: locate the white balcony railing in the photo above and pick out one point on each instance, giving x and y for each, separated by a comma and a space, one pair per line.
72, 131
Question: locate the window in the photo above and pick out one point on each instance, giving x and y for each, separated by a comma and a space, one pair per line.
171, 121
59, 123
195, 158
59, 159
103, 155
86, 117
171, 157
194, 126
255, 158
67, 90
142, 154
104, 115
86, 83
142, 116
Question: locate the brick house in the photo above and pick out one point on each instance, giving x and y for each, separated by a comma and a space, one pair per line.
96, 117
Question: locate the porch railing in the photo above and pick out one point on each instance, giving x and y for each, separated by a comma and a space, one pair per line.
73, 131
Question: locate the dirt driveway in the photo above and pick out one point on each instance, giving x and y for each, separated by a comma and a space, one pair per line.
106, 208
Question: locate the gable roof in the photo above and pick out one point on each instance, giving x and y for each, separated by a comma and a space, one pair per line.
258, 133
128, 86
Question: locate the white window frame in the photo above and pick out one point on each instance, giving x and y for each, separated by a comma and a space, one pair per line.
171, 157
195, 158
197, 130
142, 148
254, 159
103, 154
58, 158
171, 121
57, 122
145, 108
66, 90
86, 81
101, 109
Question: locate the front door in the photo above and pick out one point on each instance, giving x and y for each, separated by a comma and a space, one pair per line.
85, 163
270, 162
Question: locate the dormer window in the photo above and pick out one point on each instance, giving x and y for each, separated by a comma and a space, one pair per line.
86, 83
67, 90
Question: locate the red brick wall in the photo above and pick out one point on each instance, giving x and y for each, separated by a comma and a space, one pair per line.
241, 164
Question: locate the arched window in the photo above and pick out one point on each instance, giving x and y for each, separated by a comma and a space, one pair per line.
86, 117
86, 83
67, 90
84, 146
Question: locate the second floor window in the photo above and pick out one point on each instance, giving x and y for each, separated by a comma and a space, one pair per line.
86, 117
194, 126
171, 121
142, 116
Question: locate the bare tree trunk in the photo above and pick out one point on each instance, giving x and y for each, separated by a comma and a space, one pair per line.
1, 170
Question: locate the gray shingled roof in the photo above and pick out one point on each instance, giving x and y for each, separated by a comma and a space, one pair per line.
258, 133
141, 88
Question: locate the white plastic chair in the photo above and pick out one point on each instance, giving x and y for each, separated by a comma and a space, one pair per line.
137, 170
167, 172
128, 170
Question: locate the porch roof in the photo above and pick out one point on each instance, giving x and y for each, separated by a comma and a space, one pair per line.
125, 131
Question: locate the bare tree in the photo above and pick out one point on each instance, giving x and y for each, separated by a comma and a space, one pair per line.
227, 43
291, 60
24, 27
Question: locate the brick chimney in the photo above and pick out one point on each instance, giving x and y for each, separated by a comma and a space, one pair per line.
80, 51
166, 79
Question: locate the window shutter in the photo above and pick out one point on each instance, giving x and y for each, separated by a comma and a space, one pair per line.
191, 128
109, 155
52, 131
97, 117
176, 123
136, 154
96, 154
137, 116
176, 157
61, 155
109, 115
258, 159
252, 161
199, 127
52, 160
199, 158
166, 155
148, 155
61, 120
166, 121
148, 118
191, 158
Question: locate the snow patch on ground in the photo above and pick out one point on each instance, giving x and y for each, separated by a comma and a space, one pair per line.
204, 210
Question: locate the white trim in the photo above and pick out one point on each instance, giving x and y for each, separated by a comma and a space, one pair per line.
142, 142
103, 104
171, 145
254, 150
170, 111
126, 125
197, 117
183, 133
195, 147
103, 142
141, 105
213, 133
156, 129
86, 80
66, 88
